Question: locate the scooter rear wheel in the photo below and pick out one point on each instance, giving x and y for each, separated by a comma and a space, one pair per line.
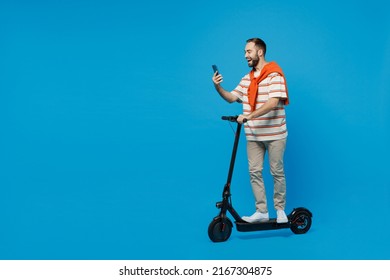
301, 222
220, 229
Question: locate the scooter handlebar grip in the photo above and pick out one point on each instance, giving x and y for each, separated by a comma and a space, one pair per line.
229, 118
232, 118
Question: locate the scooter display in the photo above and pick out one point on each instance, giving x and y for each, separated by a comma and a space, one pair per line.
220, 228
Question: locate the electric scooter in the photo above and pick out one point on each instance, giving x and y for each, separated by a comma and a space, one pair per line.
220, 228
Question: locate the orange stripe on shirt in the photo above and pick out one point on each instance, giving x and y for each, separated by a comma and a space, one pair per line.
265, 134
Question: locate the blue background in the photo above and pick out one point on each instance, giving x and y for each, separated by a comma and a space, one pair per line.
112, 145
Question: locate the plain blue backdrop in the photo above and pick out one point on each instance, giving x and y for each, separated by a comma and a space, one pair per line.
112, 147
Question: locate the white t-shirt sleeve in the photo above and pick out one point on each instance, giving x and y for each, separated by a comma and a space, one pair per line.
277, 87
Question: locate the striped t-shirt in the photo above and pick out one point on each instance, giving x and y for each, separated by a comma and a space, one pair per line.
271, 126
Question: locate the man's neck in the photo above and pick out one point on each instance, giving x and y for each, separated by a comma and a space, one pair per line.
260, 66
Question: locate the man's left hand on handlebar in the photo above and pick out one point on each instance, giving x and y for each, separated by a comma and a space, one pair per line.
241, 118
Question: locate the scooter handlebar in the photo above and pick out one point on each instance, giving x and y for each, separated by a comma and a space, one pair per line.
232, 119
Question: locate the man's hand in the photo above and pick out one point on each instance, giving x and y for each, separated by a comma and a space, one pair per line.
228, 96
241, 118
217, 78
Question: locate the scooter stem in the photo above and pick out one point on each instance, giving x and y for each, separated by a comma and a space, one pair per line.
234, 153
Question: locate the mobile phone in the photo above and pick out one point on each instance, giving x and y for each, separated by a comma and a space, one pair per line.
215, 68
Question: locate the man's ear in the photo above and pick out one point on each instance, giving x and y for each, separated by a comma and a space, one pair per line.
260, 52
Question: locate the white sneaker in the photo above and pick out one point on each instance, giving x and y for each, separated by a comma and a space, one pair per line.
281, 217
256, 217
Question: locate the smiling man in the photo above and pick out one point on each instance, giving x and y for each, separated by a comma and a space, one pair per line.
263, 93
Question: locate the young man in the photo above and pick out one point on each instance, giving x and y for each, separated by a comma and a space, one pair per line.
263, 93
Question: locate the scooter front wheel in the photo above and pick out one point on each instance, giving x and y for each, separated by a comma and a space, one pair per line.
220, 229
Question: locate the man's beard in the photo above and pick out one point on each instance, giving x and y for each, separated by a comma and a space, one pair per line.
253, 62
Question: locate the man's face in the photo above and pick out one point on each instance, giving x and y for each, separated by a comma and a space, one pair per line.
251, 54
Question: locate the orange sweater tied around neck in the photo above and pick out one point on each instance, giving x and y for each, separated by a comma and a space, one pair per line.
269, 68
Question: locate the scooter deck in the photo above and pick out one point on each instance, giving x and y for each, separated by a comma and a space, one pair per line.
268, 225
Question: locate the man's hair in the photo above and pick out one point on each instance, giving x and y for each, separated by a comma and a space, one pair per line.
258, 43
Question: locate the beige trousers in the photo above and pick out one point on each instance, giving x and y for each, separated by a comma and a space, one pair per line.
256, 152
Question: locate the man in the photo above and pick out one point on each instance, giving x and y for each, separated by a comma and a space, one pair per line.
263, 93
